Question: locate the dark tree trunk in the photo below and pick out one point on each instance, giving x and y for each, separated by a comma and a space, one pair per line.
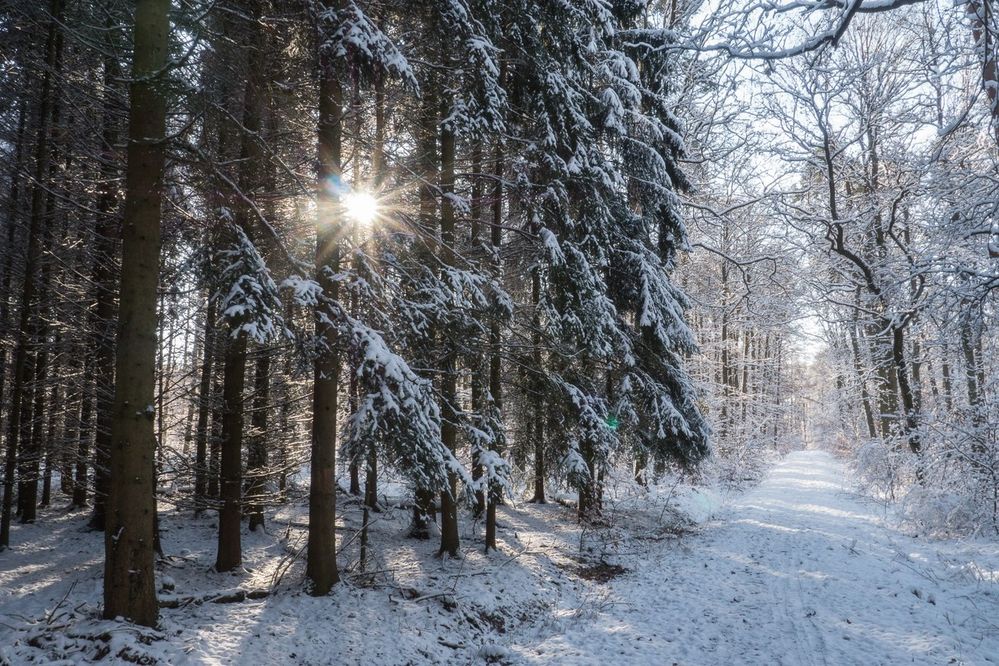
83, 438
450, 543
234, 371
106, 281
218, 415
945, 377
495, 341
54, 411
911, 416
858, 367
321, 555
202, 431
230, 554
129, 589
256, 462
424, 514
538, 400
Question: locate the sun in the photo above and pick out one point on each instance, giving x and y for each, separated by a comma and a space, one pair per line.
360, 207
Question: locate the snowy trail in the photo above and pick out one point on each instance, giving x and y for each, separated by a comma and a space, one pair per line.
798, 571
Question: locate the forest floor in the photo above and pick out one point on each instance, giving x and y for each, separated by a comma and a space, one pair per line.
799, 570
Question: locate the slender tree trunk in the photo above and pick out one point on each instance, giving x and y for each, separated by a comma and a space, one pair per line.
424, 511
190, 362
284, 425
202, 431
69, 446
357, 244
477, 360
865, 397
724, 415
256, 462
917, 374
52, 431
321, 555
495, 342
887, 379
129, 589
234, 372
31, 448
587, 497
378, 175
106, 282
970, 362
911, 416
448, 376
218, 415
747, 338
83, 438
945, 377
538, 417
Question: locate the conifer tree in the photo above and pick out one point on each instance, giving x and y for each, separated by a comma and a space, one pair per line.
131, 506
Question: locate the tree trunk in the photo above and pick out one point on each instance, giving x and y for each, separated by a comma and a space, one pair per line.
865, 397
230, 554
234, 371
54, 411
218, 415
129, 589
945, 377
448, 376
477, 360
84, 433
538, 417
105, 283
256, 462
495, 341
886, 378
911, 416
321, 556
970, 362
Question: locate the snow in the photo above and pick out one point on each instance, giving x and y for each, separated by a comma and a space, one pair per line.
800, 570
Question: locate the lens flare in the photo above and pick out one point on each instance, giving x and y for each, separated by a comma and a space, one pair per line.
360, 207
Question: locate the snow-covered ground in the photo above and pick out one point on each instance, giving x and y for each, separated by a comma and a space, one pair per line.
797, 571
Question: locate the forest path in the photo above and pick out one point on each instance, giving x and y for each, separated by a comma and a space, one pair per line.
797, 571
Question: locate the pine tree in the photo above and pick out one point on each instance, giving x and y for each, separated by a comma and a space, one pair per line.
129, 589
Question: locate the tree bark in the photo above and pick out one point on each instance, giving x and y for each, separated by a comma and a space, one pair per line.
858, 367
256, 462
129, 589
450, 543
105, 283
495, 496
538, 416
234, 372
230, 553
202, 431
321, 555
